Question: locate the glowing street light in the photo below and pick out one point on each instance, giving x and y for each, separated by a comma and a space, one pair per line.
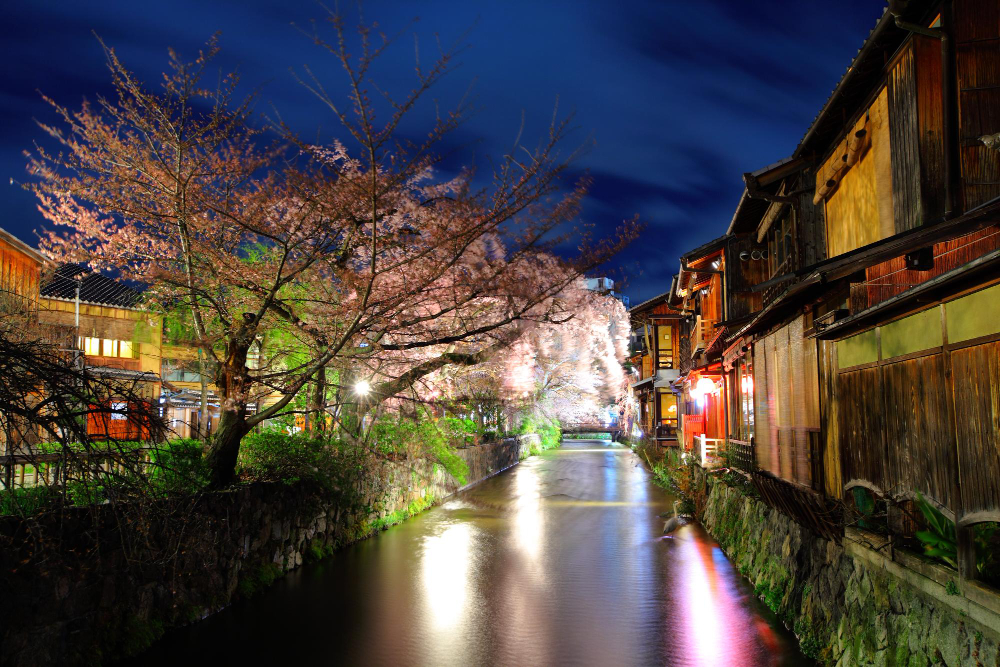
362, 387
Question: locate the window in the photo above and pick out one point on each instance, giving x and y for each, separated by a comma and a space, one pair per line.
665, 345
107, 347
119, 410
92, 346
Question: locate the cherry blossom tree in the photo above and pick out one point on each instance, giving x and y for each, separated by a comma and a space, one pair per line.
358, 257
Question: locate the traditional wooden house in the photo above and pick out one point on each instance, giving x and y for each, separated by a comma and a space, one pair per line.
772, 367
876, 348
20, 273
700, 293
118, 341
655, 356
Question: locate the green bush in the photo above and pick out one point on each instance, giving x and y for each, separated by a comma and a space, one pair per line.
550, 433
178, 466
395, 435
276, 456
459, 431
27, 501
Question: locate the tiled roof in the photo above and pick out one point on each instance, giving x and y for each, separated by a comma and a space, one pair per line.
94, 288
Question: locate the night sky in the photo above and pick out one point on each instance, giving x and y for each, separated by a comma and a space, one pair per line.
679, 98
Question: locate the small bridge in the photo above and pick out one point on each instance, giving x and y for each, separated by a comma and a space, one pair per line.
593, 427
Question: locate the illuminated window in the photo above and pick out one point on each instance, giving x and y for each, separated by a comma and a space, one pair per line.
109, 348
125, 349
92, 346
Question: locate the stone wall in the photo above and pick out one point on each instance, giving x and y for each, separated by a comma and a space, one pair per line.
88, 585
856, 603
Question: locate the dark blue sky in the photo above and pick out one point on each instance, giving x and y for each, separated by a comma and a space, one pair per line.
680, 97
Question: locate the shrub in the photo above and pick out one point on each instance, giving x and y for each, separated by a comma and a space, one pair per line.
27, 501
178, 466
459, 431
275, 456
550, 433
395, 435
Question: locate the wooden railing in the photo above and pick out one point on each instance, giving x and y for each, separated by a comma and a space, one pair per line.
29, 470
708, 449
741, 455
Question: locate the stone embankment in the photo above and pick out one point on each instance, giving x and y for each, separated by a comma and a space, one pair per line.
89, 585
857, 603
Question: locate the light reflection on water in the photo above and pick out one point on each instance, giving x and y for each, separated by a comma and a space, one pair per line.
558, 561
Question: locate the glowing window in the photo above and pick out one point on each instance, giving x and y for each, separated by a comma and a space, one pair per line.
109, 347
92, 346
125, 349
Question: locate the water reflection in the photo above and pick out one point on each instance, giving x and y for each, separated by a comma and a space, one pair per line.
445, 563
559, 561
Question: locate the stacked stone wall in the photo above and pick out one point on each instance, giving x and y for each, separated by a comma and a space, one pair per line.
853, 604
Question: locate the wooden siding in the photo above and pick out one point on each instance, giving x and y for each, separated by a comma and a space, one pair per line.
811, 230
904, 140
977, 68
741, 276
976, 373
890, 278
918, 429
833, 482
930, 128
19, 276
928, 421
861, 422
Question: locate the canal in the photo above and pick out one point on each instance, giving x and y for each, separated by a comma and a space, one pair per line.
557, 561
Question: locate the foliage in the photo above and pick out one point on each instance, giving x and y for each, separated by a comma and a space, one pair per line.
940, 541
27, 501
398, 436
412, 509
677, 477
458, 430
550, 433
257, 579
177, 466
587, 436
275, 456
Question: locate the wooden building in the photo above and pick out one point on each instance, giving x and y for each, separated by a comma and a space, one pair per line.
850, 316
117, 340
654, 356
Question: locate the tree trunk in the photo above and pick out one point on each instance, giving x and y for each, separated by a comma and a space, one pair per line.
317, 406
225, 447
233, 381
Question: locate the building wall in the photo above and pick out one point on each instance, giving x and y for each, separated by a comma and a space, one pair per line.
786, 382
919, 410
19, 278
140, 328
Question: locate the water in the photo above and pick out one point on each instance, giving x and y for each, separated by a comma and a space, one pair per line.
558, 561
